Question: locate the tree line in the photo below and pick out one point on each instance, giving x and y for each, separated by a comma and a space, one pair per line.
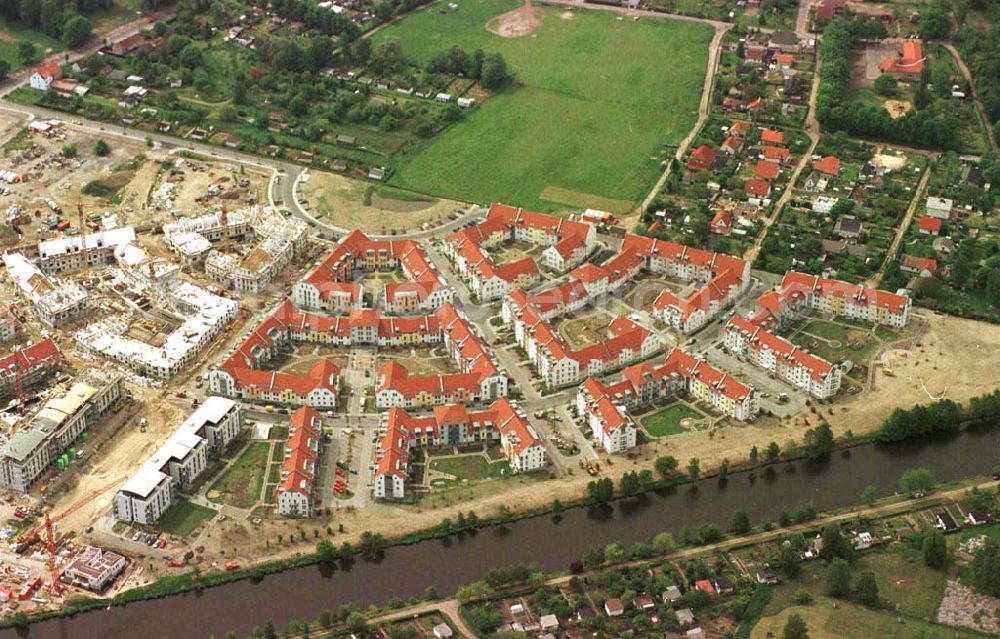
63, 20
939, 416
920, 127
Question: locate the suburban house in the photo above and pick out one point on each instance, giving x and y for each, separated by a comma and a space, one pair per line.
940, 207
702, 158
43, 76
908, 63
922, 266
829, 165
928, 225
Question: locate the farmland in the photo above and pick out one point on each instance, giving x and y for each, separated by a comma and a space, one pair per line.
589, 126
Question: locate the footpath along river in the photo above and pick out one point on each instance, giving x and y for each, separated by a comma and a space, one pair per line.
551, 542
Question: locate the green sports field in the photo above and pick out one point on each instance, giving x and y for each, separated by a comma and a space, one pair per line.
595, 99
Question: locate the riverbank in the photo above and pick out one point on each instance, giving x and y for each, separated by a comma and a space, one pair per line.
405, 571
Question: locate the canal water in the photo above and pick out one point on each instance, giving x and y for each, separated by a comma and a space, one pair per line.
552, 542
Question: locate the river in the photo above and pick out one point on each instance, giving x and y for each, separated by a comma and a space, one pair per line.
552, 542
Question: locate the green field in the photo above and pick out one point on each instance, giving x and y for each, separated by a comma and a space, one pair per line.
241, 483
183, 517
668, 420
851, 621
470, 467
594, 100
13, 34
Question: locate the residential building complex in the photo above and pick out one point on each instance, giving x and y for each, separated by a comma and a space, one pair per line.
148, 493
67, 253
481, 379
453, 425
295, 491
604, 406
567, 242
331, 285
61, 421
94, 568
56, 302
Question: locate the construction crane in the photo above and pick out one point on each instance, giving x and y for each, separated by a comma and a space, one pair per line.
51, 548
83, 242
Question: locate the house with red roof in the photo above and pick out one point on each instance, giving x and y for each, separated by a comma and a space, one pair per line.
757, 188
722, 222
829, 165
767, 170
702, 158
739, 128
922, 266
771, 136
758, 103
776, 154
908, 63
295, 490
732, 145
753, 342
928, 225
44, 75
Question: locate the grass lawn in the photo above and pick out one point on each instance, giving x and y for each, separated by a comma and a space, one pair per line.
595, 98
470, 467
13, 34
836, 332
241, 483
183, 517
851, 621
667, 421
904, 583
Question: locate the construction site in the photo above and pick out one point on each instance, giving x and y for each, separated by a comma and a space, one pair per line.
123, 267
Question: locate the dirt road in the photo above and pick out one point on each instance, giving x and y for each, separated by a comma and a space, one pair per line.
903, 227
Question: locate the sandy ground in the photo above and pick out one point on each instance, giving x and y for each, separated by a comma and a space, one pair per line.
518, 22
341, 200
897, 108
118, 457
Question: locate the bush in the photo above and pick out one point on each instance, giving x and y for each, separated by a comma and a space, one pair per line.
101, 149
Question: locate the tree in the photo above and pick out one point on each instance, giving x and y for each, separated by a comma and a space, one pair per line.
4, 69
795, 628
494, 72
869, 495
76, 31
666, 465
663, 543
325, 551
709, 533
791, 563
628, 485
694, 468
601, 490
740, 523
26, 51
838, 579
986, 568
867, 590
916, 481
885, 84
614, 553
724, 470
935, 23
754, 457
935, 550
357, 623
773, 452
101, 149
818, 441
835, 544
69, 151
371, 544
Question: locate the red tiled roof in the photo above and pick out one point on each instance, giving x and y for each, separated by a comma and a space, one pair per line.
29, 357
929, 224
778, 153
910, 59
767, 170
758, 188
919, 264
701, 158
829, 165
772, 136
49, 70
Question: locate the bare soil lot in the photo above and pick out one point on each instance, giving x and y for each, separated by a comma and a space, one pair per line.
585, 329
419, 361
341, 200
